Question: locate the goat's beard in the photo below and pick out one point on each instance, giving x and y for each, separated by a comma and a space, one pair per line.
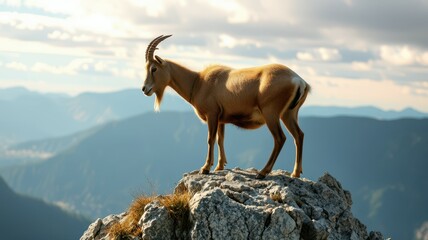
158, 100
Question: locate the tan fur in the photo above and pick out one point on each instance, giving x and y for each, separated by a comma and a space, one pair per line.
247, 98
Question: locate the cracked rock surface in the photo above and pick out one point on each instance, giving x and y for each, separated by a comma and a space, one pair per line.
98, 230
232, 204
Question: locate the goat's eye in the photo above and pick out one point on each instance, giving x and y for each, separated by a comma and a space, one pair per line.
154, 70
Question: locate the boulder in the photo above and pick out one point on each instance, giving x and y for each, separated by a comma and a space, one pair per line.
232, 204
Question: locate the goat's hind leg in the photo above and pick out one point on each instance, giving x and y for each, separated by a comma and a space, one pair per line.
272, 122
291, 122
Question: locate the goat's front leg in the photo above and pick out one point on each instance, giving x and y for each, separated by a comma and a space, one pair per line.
220, 142
212, 131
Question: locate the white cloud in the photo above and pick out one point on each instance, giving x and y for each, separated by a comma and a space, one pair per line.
72, 68
398, 55
329, 54
403, 55
107, 26
328, 91
153, 8
423, 58
86, 32
320, 54
102, 66
43, 67
16, 66
58, 35
305, 56
124, 73
79, 66
25, 21
108, 38
419, 88
58, 86
362, 66
11, 3
227, 41
236, 12
55, 6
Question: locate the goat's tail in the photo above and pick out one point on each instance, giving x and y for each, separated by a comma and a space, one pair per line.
301, 94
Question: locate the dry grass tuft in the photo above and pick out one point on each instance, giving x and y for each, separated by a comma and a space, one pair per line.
178, 208
128, 228
177, 205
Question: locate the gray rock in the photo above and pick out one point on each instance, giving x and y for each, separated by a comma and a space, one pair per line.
281, 226
215, 210
156, 222
98, 230
93, 230
232, 204
375, 236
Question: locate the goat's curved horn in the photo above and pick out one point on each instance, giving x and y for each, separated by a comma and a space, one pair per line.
152, 46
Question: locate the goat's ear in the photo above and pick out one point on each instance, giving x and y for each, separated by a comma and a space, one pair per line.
160, 60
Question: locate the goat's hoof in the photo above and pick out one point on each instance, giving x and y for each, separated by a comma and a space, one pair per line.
260, 176
295, 175
204, 171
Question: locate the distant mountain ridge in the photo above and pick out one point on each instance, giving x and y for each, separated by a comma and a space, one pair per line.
28, 218
101, 172
28, 115
363, 111
54, 115
31, 116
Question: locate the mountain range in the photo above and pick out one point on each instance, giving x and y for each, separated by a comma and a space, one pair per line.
97, 172
28, 115
25, 217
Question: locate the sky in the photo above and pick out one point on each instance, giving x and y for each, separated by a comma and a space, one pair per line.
352, 53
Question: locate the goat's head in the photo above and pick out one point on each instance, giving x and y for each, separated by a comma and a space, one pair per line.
158, 73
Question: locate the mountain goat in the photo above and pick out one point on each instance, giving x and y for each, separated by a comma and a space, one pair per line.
247, 98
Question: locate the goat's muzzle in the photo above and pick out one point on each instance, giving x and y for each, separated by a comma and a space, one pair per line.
147, 91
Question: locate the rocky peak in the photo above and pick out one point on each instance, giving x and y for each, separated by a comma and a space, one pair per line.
232, 204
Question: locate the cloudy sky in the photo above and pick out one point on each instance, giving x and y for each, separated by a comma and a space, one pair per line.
353, 53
